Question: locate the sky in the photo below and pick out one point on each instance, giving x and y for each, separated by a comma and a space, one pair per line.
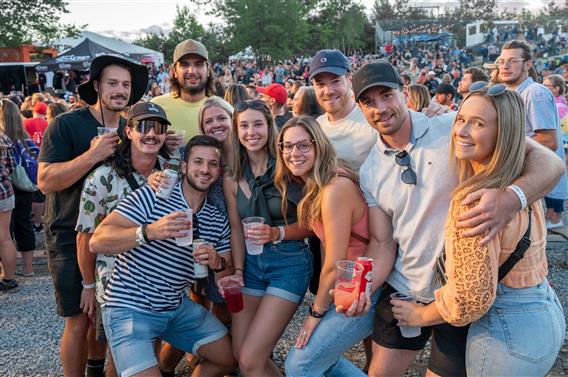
128, 18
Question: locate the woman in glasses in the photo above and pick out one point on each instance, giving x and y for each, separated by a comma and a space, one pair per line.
334, 209
274, 281
517, 324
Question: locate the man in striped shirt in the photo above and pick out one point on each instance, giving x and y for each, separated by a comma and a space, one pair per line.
146, 298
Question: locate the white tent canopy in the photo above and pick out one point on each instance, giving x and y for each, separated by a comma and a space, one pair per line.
117, 45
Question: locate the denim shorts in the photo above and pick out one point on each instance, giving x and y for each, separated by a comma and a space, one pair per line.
520, 335
131, 333
282, 270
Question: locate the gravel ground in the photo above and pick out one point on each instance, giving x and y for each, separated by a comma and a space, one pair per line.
30, 329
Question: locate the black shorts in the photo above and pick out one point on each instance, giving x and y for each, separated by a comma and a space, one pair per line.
447, 356
38, 197
66, 278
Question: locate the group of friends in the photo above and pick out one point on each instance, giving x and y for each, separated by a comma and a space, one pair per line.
446, 203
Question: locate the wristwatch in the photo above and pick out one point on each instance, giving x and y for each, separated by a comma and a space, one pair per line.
223, 266
141, 235
315, 314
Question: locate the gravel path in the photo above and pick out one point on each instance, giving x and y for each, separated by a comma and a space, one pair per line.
30, 330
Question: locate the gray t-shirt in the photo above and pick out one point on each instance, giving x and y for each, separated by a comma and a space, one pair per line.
418, 212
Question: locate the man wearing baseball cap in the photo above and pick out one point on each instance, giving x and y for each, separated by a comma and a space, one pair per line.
275, 96
343, 121
410, 165
192, 80
141, 153
70, 150
445, 96
37, 124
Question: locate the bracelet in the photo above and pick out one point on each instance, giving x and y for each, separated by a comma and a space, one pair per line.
315, 314
281, 234
87, 286
520, 194
223, 266
238, 269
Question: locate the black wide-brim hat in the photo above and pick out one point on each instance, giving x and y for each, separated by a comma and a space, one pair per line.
138, 72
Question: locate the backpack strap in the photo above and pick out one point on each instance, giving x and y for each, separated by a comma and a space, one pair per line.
518, 253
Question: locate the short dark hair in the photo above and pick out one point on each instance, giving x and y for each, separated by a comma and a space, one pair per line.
202, 141
476, 74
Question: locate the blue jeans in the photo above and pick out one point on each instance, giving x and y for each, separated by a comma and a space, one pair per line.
131, 333
335, 334
520, 335
282, 270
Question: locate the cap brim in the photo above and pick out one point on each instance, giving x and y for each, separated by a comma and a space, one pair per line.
261, 89
339, 71
150, 116
391, 85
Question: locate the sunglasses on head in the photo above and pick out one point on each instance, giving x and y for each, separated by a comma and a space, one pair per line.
481, 86
408, 175
254, 104
144, 126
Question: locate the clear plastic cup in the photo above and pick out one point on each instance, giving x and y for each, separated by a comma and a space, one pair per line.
106, 130
249, 222
180, 135
233, 295
166, 191
347, 281
188, 239
200, 271
407, 331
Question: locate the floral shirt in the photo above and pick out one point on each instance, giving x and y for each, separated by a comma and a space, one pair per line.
102, 191
7, 166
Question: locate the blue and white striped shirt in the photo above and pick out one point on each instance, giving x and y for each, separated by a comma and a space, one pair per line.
154, 276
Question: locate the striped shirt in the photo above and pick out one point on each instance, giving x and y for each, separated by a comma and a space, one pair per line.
154, 276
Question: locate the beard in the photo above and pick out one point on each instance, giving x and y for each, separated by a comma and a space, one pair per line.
194, 185
192, 89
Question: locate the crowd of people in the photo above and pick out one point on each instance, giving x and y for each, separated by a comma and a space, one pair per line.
433, 169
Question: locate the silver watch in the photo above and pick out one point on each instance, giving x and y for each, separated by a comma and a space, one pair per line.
140, 239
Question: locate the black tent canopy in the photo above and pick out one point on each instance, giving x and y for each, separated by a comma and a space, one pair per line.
79, 57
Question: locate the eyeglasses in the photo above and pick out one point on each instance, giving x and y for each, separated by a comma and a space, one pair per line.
502, 62
493, 90
303, 146
408, 175
255, 104
144, 126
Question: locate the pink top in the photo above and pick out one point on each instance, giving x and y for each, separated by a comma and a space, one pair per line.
356, 248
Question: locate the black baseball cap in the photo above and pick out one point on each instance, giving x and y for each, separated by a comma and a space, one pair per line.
147, 110
138, 78
378, 73
331, 61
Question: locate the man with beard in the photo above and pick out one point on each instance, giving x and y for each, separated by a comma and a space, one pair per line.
470, 75
542, 120
192, 80
70, 150
142, 152
146, 297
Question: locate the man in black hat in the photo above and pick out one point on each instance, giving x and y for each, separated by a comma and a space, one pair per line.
445, 95
70, 150
142, 152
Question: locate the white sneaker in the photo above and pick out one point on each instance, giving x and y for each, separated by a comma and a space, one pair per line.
551, 225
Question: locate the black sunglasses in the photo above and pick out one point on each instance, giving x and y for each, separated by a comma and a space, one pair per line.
493, 91
408, 175
144, 126
254, 104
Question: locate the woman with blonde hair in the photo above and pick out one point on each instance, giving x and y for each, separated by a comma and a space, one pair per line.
274, 281
517, 325
333, 208
418, 97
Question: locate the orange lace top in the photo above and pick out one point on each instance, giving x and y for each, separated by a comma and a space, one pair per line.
472, 269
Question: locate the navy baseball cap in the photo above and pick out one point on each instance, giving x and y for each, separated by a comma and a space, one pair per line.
378, 73
331, 61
